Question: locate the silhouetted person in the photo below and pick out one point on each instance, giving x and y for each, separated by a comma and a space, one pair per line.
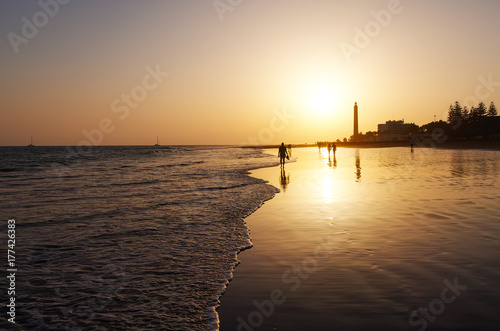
334, 148
282, 153
329, 148
411, 143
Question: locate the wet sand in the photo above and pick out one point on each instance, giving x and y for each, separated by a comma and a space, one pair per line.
375, 239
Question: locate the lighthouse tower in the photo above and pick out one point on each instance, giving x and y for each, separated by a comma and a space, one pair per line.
356, 132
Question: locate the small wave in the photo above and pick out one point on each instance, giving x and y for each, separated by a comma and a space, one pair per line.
185, 164
147, 182
167, 165
217, 188
160, 150
131, 233
436, 216
10, 169
190, 163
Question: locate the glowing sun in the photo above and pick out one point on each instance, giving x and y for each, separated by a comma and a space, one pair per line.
322, 99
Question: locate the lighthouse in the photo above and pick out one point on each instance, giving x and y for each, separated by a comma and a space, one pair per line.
356, 132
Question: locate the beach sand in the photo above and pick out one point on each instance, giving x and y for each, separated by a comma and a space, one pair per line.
362, 241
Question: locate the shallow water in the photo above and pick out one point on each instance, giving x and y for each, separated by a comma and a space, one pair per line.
126, 238
363, 241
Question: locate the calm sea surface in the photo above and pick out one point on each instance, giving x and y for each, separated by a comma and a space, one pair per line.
125, 238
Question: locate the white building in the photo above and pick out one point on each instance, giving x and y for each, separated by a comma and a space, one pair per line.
394, 130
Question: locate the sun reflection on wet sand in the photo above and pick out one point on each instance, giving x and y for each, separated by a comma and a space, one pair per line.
396, 225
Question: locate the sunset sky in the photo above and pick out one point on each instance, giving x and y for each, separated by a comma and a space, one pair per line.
122, 72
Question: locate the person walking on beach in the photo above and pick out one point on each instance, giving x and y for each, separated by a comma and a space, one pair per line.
329, 148
334, 148
282, 153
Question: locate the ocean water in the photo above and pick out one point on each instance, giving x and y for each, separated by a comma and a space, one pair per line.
126, 238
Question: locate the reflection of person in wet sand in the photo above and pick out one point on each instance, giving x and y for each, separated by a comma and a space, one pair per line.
358, 166
334, 163
284, 179
282, 153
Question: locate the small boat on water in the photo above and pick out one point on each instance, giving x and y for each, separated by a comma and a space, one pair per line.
157, 142
31, 142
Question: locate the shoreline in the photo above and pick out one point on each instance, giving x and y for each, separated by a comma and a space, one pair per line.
448, 144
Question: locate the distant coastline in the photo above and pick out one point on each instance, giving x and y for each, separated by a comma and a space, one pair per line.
490, 144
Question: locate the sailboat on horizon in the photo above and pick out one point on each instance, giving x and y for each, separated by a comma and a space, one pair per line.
31, 142
157, 142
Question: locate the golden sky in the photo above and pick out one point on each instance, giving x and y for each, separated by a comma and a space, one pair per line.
123, 72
